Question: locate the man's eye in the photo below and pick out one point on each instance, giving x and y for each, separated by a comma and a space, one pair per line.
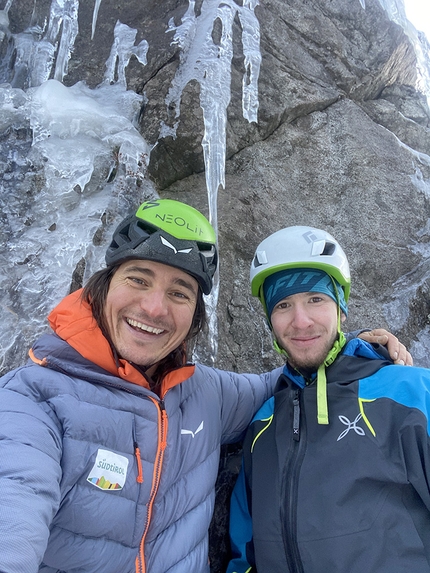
136, 280
180, 295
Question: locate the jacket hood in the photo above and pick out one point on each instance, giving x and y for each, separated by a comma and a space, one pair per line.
72, 320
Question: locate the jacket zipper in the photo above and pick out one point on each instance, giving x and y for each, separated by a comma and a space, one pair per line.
296, 416
162, 442
292, 553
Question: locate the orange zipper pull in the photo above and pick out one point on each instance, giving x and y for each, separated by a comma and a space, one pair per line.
139, 478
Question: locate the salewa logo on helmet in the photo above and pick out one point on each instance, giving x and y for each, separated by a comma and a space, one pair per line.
310, 237
174, 249
351, 426
191, 433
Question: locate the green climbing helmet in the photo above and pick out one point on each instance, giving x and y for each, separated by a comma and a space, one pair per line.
168, 232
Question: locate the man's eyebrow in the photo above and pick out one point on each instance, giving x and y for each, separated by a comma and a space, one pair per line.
149, 272
136, 269
186, 285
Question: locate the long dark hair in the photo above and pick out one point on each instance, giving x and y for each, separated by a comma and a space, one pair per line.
95, 293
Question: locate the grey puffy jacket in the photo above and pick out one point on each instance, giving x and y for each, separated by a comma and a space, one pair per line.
100, 475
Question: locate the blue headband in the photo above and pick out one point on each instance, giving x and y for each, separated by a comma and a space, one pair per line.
292, 281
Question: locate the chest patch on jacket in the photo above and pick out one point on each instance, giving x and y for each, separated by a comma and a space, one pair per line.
109, 470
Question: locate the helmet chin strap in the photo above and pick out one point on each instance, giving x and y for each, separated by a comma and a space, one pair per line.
322, 404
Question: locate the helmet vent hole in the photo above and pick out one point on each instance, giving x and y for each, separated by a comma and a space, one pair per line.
124, 233
329, 249
148, 228
205, 247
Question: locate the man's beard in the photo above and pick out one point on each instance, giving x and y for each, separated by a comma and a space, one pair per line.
310, 363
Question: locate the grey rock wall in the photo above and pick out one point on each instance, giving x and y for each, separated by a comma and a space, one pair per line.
342, 142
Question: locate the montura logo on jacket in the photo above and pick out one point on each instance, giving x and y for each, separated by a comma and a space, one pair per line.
351, 426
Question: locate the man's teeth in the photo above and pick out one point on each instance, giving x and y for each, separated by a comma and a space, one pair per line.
144, 326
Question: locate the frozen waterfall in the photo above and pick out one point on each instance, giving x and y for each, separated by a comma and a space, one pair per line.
77, 154
85, 146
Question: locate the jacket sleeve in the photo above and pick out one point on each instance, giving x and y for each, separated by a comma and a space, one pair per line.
241, 530
406, 390
241, 397
30, 474
415, 431
355, 333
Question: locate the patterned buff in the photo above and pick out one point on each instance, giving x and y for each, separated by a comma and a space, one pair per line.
292, 281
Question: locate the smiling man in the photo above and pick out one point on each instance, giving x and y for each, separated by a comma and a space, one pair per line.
336, 465
109, 436
149, 309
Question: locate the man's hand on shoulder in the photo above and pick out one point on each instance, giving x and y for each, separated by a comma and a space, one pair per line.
396, 349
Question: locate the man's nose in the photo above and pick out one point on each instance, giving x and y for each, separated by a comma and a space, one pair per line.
301, 318
154, 303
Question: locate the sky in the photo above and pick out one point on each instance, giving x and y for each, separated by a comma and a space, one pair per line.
418, 12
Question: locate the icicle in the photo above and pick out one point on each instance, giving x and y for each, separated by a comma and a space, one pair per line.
251, 50
7, 7
65, 13
209, 62
33, 59
95, 15
122, 49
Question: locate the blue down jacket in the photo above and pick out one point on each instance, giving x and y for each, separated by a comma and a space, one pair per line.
100, 475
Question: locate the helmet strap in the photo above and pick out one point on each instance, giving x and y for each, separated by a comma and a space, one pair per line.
322, 402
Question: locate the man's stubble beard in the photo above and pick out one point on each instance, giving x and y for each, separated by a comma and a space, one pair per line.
312, 363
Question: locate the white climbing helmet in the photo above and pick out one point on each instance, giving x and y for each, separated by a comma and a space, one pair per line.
299, 247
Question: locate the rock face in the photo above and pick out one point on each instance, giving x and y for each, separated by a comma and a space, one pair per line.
342, 142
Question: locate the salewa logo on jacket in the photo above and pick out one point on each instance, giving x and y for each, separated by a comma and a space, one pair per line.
351, 426
109, 471
191, 433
